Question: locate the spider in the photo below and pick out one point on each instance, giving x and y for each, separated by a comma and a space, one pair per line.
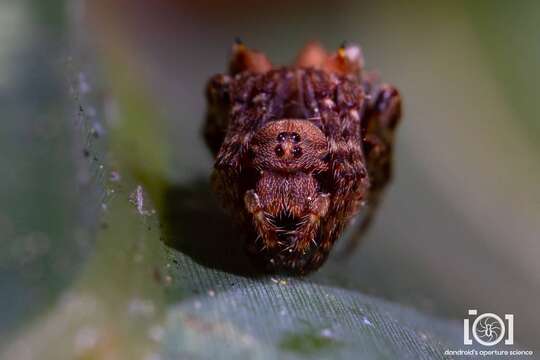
299, 149
489, 329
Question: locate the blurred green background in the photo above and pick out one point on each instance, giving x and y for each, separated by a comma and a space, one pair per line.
112, 246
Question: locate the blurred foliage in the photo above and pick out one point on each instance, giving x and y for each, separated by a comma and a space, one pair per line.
113, 246
505, 30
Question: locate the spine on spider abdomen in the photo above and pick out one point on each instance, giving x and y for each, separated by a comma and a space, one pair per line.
299, 150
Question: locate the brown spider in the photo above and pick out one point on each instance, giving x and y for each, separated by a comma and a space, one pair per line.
299, 149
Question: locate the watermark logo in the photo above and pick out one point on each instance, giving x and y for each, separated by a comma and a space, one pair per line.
482, 331
488, 329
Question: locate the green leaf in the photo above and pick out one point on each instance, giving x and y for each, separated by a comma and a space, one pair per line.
140, 265
170, 280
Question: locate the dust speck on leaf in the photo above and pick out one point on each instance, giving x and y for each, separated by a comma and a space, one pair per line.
115, 176
279, 281
327, 333
167, 279
366, 321
137, 198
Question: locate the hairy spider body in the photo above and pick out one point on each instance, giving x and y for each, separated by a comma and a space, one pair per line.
299, 150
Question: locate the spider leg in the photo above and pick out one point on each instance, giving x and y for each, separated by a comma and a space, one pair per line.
378, 126
221, 103
263, 225
244, 118
347, 179
307, 230
218, 107
335, 111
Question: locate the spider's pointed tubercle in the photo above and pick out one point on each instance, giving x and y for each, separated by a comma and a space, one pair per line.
246, 59
313, 55
347, 60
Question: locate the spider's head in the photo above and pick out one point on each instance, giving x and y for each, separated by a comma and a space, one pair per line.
286, 203
290, 145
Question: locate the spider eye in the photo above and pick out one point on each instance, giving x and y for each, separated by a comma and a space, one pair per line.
281, 137
279, 151
295, 138
297, 152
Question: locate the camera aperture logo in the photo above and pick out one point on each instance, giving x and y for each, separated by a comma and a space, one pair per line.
487, 330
